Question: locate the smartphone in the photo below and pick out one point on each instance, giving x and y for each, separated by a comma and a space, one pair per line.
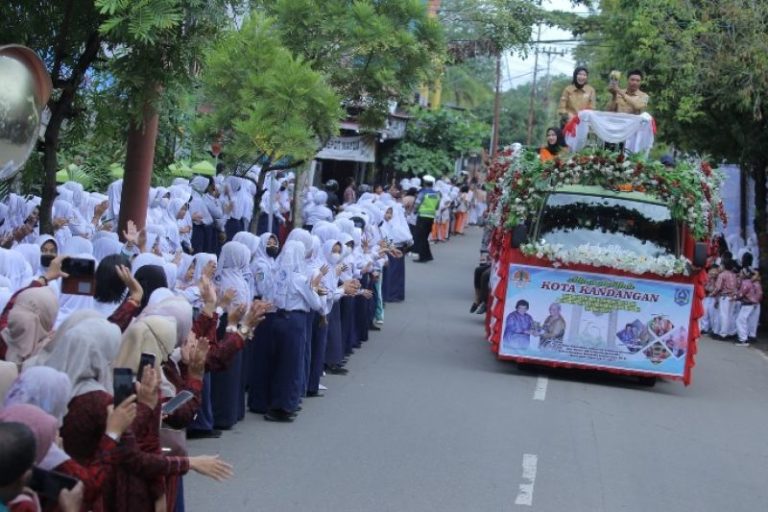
48, 484
122, 383
46, 259
78, 267
81, 280
146, 360
174, 403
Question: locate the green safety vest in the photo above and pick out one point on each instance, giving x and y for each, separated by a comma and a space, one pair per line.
429, 205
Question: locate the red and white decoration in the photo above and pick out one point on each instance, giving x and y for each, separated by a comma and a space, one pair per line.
637, 132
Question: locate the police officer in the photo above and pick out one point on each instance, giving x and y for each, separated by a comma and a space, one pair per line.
426, 205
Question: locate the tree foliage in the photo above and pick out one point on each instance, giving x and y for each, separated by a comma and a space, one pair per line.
434, 140
274, 107
372, 51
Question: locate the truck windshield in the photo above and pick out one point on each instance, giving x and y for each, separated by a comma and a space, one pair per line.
575, 219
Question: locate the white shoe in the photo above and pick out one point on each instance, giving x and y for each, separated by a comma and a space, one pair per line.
322, 388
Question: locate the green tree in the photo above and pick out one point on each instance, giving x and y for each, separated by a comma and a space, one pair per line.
155, 48
272, 110
434, 140
372, 51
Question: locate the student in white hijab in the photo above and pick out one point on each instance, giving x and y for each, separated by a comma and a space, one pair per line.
294, 296
317, 211
228, 387
14, 266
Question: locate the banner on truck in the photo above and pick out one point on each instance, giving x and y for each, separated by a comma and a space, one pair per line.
599, 320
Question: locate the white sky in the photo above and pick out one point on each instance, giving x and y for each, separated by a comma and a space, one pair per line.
519, 71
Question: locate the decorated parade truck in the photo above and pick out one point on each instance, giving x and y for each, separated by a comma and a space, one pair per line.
598, 261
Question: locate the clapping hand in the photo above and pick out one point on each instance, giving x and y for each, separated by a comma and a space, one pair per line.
227, 297
207, 295
194, 353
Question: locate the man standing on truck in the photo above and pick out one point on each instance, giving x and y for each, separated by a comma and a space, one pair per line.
630, 100
425, 207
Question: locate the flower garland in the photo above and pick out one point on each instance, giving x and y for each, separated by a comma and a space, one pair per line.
520, 184
611, 256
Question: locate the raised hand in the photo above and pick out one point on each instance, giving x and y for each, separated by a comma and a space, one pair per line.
235, 314
146, 390
194, 353
120, 418
208, 295
54, 269
135, 291
227, 297
131, 234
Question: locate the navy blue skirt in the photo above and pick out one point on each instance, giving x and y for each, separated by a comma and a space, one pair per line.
393, 286
334, 348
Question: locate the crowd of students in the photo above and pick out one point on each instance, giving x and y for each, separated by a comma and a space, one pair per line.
734, 293
192, 306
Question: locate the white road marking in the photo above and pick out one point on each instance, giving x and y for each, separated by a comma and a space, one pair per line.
525, 493
540, 393
762, 354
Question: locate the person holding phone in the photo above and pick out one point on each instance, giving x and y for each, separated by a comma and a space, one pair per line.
85, 353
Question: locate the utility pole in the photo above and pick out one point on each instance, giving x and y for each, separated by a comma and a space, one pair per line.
531, 116
496, 109
550, 53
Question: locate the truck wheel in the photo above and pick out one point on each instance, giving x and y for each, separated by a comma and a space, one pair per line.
525, 367
647, 381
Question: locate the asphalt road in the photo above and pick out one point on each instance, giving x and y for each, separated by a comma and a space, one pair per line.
429, 420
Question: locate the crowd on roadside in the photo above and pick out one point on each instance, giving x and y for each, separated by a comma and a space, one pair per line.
734, 293
206, 320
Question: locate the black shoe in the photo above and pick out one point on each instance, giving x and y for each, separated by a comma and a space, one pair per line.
315, 394
481, 309
374, 328
474, 307
337, 370
204, 434
278, 416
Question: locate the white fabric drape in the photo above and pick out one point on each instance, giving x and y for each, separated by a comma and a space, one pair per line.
635, 131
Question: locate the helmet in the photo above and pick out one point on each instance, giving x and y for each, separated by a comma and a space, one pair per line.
332, 185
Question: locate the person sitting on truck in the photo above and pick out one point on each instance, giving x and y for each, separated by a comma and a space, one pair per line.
517, 333
555, 145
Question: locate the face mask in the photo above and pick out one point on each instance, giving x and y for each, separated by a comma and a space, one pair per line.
347, 251
273, 251
335, 258
164, 202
